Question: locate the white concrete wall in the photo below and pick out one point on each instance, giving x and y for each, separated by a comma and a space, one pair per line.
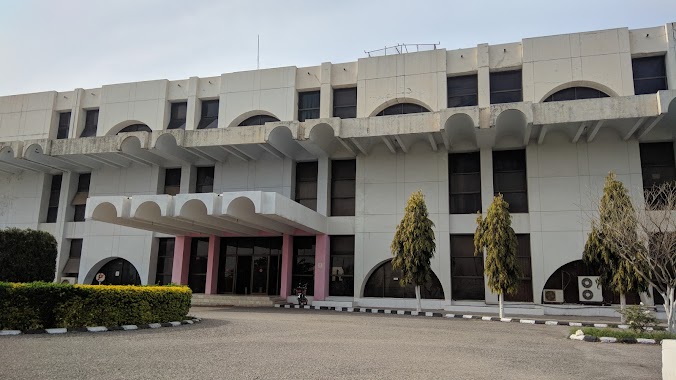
20, 199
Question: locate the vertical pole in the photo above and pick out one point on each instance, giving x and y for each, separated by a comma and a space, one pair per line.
212, 265
181, 264
287, 264
322, 267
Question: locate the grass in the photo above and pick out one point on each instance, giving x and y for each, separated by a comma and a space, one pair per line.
623, 334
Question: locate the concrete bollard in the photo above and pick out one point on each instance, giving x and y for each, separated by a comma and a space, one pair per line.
669, 359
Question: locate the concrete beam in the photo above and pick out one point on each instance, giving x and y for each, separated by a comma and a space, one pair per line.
595, 130
580, 130
270, 149
650, 126
447, 140
347, 146
389, 144
433, 142
634, 128
360, 146
234, 153
401, 143
542, 134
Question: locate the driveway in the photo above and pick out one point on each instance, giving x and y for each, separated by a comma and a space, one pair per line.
239, 343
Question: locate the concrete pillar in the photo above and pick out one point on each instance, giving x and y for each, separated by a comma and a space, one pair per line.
181, 264
77, 115
323, 188
325, 91
671, 55
287, 265
212, 265
322, 267
194, 110
188, 177
483, 76
486, 161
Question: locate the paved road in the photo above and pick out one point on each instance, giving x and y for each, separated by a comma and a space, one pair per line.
294, 344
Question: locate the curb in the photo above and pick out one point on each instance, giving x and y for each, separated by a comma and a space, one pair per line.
608, 339
97, 329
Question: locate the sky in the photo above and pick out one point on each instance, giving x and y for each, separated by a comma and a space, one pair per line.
67, 44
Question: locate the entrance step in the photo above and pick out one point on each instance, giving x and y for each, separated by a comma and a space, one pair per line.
343, 304
233, 300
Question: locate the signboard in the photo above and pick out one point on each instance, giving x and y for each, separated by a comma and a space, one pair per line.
100, 277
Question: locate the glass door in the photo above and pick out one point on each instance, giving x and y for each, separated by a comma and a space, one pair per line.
259, 280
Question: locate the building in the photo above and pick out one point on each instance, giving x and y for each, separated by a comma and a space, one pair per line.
253, 182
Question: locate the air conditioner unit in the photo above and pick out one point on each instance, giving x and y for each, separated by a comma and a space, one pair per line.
552, 295
590, 290
69, 280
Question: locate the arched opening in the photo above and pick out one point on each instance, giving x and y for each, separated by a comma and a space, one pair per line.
384, 283
402, 109
135, 128
118, 272
258, 120
576, 93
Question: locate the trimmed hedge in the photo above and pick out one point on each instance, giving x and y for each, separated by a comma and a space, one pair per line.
27, 255
39, 305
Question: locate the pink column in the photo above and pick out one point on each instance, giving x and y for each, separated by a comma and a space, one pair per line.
181, 264
212, 264
287, 264
322, 268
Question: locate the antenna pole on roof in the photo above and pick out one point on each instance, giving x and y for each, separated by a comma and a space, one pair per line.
258, 52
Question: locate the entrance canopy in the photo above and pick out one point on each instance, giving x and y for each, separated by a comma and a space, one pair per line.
241, 213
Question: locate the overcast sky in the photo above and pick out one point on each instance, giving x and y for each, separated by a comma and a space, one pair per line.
66, 44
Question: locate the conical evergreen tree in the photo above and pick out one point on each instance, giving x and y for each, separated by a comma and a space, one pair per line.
495, 235
413, 245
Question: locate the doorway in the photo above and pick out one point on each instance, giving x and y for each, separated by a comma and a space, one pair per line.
250, 266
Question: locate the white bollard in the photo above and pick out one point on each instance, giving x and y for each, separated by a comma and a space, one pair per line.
669, 359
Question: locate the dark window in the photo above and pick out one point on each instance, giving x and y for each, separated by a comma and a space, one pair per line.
119, 272
342, 266
204, 183
258, 120
343, 187
54, 195
467, 270
179, 112
308, 105
384, 282
304, 262
72, 267
209, 118
462, 91
306, 184
345, 103
91, 123
575, 93
509, 178
80, 198
165, 261
135, 128
402, 109
525, 291
657, 168
650, 75
250, 265
64, 125
464, 183
172, 181
197, 272
506, 87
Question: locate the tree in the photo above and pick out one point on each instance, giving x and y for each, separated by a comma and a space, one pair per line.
495, 235
413, 245
27, 255
615, 272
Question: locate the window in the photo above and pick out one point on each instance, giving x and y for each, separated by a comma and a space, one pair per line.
308, 105
135, 128
462, 91
384, 282
80, 198
657, 163
165, 261
342, 266
179, 112
575, 93
650, 75
464, 183
204, 183
509, 178
402, 109
525, 291
172, 181
467, 270
343, 185
304, 262
258, 120
345, 103
54, 195
64, 125
306, 184
506, 87
209, 118
197, 272
72, 267
91, 123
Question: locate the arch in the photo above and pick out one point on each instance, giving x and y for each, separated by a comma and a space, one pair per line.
251, 116
511, 128
461, 130
193, 209
241, 206
381, 283
258, 120
575, 93
135, 128
393, 103
128, 126
118, 271
580, 84
104, 212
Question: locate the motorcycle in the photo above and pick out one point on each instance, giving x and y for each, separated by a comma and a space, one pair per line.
300, 294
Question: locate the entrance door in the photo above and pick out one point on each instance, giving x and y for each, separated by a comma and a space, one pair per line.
244, 274
259, 282
119, 272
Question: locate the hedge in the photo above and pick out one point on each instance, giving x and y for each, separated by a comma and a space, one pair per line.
39, 305
27, 255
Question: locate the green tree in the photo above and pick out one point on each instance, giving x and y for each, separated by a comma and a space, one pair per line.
495, 235
413, 245
27, 255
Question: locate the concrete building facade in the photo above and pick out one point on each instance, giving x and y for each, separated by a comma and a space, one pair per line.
251, 182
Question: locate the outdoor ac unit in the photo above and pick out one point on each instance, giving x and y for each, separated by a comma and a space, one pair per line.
69, 280
590, 290
553, 296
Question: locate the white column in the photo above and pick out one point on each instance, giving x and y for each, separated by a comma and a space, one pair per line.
323, 185
325, 92
194, 111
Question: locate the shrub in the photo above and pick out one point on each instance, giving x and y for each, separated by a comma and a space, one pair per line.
639, 317
624, 334
27, 255
40, 305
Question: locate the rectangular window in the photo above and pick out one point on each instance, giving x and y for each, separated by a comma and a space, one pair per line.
64, 125
464, 182
209, 119
91, 123
179, 112
506, 87
172, 181
72, 267
657, 165
462, 91
525, 291
306, 184
54, 195
345, 103
308, 105
304, 263
165, 261
342, 266
509, 178
467, 270
80, 198
204, 183
650, 74
197, 272
343, 187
